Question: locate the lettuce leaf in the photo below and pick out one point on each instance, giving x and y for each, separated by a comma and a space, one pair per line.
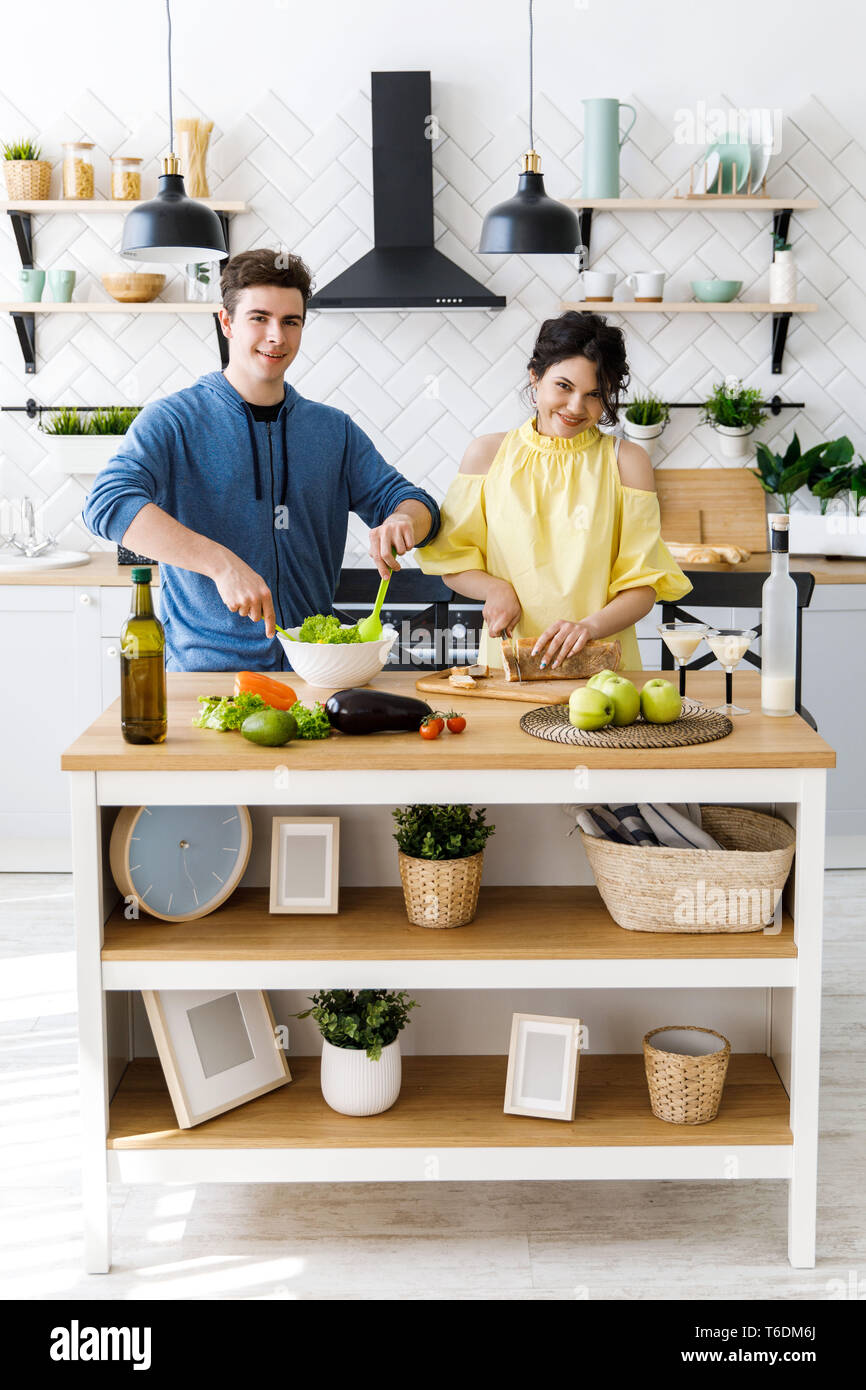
323, 627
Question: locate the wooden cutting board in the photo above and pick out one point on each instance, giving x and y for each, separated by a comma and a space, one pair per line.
713, 506
496, 688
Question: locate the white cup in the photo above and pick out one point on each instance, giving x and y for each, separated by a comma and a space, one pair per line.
598, 284
648, 285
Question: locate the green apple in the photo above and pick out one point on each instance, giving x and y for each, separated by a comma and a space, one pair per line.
626, 700
595, 682
660, 702
589, 709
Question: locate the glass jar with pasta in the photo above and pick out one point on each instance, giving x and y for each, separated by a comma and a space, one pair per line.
78, 169
125, 178
192, 137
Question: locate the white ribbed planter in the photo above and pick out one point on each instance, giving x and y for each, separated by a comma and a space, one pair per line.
353, 1085
783, 279
86, 454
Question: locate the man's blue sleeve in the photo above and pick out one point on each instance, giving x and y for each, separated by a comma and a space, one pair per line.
135, 475
376, 489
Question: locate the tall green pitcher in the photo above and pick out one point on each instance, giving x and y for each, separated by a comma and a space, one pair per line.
601, 145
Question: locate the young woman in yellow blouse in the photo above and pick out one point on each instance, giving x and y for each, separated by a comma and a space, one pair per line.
555, 525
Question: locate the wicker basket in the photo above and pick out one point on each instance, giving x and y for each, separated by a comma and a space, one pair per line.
27, 179
683, 1089
440, 892
677, 890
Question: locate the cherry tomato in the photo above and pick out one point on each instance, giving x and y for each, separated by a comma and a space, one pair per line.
431, 728
456, 723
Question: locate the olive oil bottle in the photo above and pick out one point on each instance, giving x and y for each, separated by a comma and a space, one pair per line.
142, 667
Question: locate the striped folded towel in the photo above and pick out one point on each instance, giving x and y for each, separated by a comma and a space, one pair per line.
658, 825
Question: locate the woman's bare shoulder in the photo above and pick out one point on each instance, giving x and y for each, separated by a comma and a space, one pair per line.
481, 453
635, 468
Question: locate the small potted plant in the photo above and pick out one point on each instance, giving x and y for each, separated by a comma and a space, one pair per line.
27, 175
441, 853
831, 477
783, 273
361, 1069
84, 442
645, 420
734, 411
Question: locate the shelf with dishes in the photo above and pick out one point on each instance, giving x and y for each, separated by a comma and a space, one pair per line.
24, 314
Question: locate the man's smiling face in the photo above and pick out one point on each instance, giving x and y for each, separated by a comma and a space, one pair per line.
264, 335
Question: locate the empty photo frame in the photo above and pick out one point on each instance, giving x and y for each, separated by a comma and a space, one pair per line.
542, 1067
305, 863
218, 1048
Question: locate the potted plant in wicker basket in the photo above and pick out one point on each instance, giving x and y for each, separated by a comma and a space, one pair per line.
645, 420
361, 1069
441, 856
27, 176
734, 411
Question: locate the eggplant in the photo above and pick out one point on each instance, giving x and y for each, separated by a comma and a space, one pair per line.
361, 710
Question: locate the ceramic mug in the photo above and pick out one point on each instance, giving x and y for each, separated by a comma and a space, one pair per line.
598, 284
61, 284
32, 283
648, 285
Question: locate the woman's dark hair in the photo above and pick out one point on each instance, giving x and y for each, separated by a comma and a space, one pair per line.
592, 337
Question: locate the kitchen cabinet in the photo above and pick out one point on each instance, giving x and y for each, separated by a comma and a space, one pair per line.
555, 940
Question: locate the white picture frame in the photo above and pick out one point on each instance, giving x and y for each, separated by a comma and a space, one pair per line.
305, 864
218, 1048
543, 1058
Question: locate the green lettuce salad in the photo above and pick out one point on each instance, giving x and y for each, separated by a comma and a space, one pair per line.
228, 712
326, 628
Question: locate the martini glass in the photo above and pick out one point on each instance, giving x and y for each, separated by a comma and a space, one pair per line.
682, 641
729, 645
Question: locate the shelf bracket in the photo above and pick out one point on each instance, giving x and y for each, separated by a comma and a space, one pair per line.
781, 222
25, 326
22, 226
780, 333
584, 222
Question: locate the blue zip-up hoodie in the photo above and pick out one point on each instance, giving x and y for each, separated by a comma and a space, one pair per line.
278, 495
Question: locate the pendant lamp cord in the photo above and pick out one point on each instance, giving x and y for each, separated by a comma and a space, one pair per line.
170, 107
531, 137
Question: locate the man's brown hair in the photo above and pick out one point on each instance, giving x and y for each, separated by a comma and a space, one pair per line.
264, 267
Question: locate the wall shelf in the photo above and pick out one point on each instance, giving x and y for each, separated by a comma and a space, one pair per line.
24, 315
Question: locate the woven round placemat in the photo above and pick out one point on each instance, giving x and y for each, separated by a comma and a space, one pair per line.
696, 724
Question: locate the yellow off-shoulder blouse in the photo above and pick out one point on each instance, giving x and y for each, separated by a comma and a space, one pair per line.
552, 517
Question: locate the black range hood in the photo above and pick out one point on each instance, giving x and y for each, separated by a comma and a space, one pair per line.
404, 270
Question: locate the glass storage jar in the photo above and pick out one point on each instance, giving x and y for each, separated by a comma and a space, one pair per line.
125, 178
78, 169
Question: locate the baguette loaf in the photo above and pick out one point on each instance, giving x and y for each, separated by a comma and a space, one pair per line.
595, 656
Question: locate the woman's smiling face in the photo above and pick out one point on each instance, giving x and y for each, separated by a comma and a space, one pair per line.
568, 397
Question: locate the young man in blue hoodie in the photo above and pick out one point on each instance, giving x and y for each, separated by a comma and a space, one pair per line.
242, 489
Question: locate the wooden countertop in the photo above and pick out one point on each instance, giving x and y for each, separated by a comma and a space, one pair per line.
493, 738
103, 569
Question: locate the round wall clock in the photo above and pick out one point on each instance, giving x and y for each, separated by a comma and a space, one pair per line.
180, 862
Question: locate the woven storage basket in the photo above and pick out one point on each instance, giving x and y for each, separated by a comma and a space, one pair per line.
440, 892
685, 1090
674, 890
27, 178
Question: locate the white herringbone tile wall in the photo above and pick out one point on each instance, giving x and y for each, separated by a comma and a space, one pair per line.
423, 384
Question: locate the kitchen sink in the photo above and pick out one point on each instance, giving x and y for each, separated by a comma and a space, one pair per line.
11, 563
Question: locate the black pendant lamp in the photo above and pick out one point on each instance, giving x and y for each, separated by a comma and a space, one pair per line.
530, 222
172, 227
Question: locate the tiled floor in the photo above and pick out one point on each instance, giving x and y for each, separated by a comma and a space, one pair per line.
408, 1241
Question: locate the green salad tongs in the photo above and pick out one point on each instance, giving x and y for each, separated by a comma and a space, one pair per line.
370, 628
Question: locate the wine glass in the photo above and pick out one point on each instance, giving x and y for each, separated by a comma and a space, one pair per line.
682, 641
729, 645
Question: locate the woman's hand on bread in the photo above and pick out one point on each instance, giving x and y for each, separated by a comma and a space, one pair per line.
502, 609
562, 639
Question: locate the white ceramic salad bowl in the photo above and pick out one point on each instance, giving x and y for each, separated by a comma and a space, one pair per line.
336, 665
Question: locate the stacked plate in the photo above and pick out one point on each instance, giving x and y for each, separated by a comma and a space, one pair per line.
746, 158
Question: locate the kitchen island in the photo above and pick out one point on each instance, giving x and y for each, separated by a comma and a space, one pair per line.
448, 1122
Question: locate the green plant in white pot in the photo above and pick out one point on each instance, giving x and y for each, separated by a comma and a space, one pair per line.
361, 1069
734, 411
645, 420
83, 441
838, 486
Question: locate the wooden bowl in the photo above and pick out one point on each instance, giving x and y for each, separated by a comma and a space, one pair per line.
133, 286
